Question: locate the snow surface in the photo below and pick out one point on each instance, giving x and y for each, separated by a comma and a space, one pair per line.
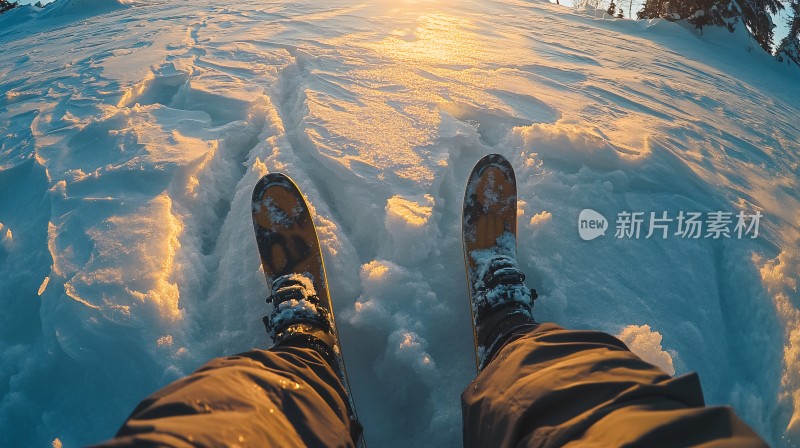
133, 133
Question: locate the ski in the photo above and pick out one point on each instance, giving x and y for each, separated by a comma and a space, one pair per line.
288, 244
489, 224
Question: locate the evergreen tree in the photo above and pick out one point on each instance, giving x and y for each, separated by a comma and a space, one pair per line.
789, 49
7, 6
39, 5
619, 14
612, 9
754, 14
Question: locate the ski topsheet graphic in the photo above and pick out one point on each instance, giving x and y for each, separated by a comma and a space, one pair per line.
285, 233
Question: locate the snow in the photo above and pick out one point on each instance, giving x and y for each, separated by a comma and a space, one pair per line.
134, 132
646, 343
304, 280
412, 231
294, 309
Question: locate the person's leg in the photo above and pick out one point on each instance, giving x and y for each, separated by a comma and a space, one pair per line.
290, 395
553, 387
541, 385
294, 394
286, 396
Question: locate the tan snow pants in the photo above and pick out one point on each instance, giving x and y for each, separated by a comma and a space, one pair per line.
550, 387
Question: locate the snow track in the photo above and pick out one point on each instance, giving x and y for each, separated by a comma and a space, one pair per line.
134, 133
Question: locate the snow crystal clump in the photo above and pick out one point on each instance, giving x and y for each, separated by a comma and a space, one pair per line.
541, 218
6, 238
411, 349
305, 280
646, 344
293, 309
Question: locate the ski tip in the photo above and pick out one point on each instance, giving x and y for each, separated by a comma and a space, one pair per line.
491, 160
495, 160
269, 180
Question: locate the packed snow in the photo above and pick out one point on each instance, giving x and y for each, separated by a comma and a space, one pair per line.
134, 132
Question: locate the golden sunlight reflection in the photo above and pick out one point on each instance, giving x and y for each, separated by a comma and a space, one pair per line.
438, 39
397, 82
410, 212
136, 251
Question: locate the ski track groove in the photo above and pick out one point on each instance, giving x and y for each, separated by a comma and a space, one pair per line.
202, 321
291, 98
239, 155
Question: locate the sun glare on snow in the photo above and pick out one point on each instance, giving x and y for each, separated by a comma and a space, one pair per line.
438, 38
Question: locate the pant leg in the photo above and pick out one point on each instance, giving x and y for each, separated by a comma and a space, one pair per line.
555, 387
287, 397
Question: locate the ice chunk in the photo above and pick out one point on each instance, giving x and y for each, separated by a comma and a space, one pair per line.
540, 218
6, 238
43, 285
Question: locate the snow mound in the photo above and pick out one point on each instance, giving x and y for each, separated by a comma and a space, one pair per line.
19, 14
412, 231
82, 7
779, 275
56, 12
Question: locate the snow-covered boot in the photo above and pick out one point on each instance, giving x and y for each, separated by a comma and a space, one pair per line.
502, 306
297, 314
